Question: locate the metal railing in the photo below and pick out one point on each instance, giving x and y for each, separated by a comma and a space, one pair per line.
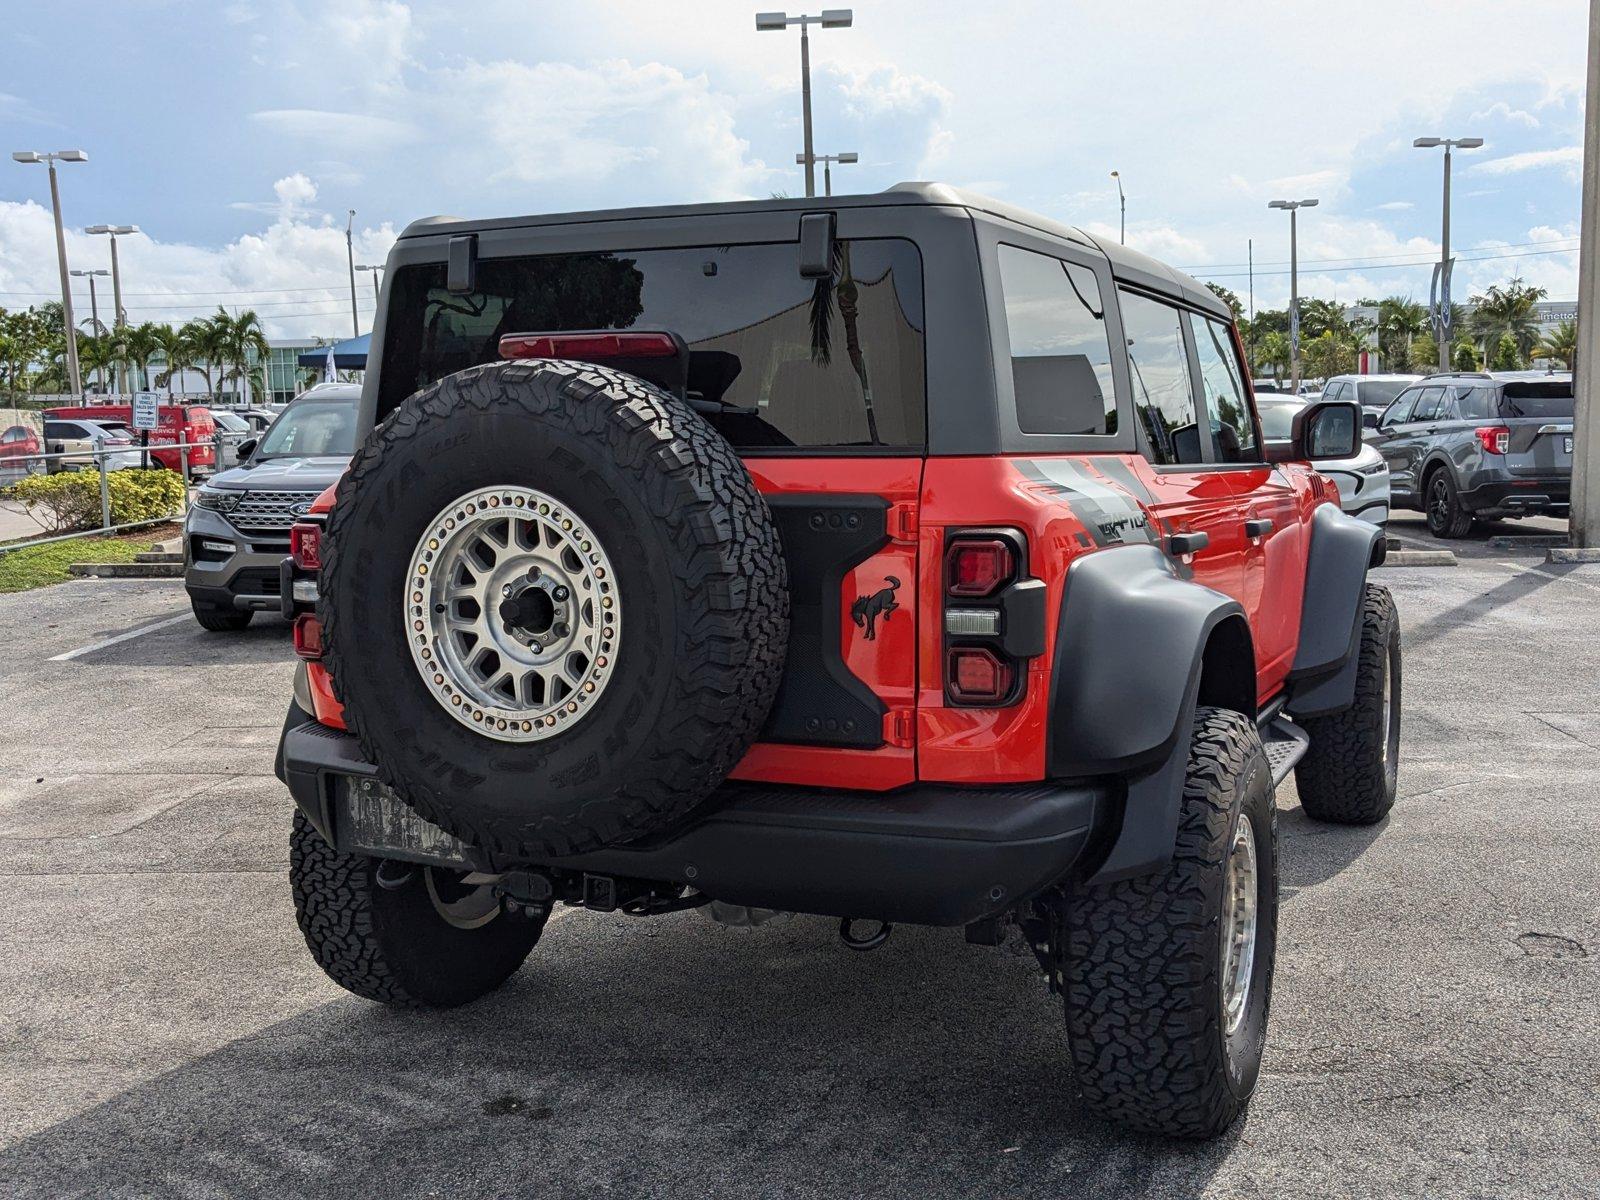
31, 464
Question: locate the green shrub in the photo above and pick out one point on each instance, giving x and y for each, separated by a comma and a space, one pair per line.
70, 501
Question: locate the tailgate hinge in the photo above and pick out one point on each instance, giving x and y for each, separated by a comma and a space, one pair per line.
900, 727
901, 522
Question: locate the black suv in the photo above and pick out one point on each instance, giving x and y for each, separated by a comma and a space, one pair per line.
1463, 447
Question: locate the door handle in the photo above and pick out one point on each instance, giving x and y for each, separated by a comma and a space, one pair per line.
1257, 527
1180, 544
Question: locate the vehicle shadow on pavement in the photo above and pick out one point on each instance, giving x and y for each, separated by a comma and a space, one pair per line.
1469, 612
1312, 852
668, 1057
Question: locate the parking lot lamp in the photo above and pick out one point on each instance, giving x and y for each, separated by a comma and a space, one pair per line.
849, 156
374, 268
1293, 206
119, 317
1122, 203
830, 18
94, 303
34, 156
1441, 312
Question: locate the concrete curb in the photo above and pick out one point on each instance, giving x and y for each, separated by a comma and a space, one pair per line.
133, 570
1421, 558
1572, 554
170, 546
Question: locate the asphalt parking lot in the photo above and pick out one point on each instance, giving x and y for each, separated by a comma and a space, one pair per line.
163, 1032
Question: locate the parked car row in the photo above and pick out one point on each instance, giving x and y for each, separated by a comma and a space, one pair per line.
237, 531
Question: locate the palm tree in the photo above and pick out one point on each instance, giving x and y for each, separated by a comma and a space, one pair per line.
208, 336
139, 346
177, 349
1401, 320
239, 337
1272, 352
1561, 343
96, 354
1512, 310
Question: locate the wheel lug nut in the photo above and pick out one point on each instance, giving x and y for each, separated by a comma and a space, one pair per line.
506, 591
536, 647
561, 593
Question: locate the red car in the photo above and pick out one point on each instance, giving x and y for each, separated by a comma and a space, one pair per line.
175, 423
19, 447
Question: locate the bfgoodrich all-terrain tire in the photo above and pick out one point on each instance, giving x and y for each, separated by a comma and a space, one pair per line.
1350, 773
554, 607
384, 938
1167, 1026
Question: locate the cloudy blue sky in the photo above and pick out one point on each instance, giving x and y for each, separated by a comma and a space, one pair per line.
237, 134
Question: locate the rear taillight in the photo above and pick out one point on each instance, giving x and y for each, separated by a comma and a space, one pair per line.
981, 590
587, 347
1495, 439
308, 636
977, 675
305, 546
978, 567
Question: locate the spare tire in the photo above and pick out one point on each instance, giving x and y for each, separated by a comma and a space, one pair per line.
554, 607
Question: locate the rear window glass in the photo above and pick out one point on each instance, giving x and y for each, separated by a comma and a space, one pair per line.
776, 360
1376, 393
1537, 398
311, 427
1060, 352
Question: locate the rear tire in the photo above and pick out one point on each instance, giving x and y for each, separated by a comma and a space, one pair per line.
1144, 973
1442, 503
391, 945
220, 620
1350, 773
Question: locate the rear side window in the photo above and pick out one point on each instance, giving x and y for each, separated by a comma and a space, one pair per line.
1399, 412
63, 429
1537, 398
776, 360
1163, 396
1233, 433
1375, 393
1336, 392
1060, 351
1475, 404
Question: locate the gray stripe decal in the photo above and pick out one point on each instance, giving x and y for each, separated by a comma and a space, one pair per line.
1109, 514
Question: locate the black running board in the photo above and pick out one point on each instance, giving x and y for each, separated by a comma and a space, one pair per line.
1286, 744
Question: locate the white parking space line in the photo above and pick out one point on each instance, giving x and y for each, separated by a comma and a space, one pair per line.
121, 637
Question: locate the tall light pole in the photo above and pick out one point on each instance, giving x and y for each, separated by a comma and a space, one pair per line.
849, 156
119, 316
374, 268
830, 18
34, 156
1441, 289
1122, 203
350, 252
1294, 285
94, 303
1585, 519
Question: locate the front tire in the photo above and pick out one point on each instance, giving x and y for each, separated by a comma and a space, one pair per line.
1350, 773
1446, 516
220, 620
391, 944
1167, 977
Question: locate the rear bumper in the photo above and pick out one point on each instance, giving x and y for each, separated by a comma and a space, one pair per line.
925, 854
1517, 494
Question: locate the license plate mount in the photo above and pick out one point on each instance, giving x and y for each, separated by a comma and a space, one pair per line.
372, 819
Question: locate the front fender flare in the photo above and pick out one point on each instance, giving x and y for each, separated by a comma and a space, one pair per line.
1322, 679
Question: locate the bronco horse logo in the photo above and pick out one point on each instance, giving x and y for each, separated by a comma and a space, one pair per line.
867, 609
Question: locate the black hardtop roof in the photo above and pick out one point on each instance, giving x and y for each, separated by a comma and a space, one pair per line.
1127, 265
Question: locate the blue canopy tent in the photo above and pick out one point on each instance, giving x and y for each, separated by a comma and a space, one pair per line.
348, 355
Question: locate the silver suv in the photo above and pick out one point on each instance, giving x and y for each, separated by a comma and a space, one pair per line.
1463, 447
237, 531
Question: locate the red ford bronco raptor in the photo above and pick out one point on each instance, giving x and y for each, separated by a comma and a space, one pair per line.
896, 558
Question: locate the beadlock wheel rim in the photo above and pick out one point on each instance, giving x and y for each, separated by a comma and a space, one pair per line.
1240, 902
512, 613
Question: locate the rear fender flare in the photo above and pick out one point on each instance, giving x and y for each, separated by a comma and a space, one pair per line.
1131, 647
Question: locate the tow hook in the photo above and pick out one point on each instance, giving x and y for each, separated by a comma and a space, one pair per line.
391, 876
872, 941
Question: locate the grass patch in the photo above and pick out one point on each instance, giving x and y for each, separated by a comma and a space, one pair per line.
39, 566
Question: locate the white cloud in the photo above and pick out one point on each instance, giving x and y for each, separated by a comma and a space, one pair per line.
343, 128
1502, 111
1569, 158
1394, 206
293, 272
